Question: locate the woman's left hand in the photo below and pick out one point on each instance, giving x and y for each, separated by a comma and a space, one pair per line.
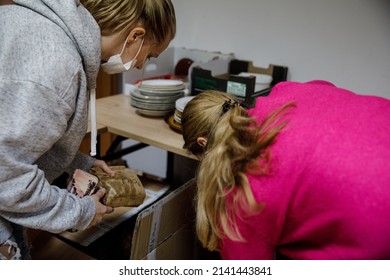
103, 165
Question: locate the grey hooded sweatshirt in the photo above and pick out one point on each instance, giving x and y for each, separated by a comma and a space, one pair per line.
49, 59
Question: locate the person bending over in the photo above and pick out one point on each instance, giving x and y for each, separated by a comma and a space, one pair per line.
302, 175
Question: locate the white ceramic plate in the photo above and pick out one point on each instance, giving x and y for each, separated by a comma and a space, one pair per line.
176, 118
148, 92
156, 107
162, 83
151, 113
181, 103
156, 98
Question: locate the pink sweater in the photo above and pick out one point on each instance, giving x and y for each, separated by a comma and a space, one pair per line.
328, 194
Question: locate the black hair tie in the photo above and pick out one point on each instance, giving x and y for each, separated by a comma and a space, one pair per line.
228, 104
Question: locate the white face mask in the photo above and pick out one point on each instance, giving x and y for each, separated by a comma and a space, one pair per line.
115, 65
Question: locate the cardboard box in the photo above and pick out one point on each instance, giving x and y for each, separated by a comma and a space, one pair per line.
165, 230
277, 72
179, 246
166, 62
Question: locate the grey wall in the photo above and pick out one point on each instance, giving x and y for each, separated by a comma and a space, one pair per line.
344, 41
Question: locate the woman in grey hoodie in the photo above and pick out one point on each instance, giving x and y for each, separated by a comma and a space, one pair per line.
50, 54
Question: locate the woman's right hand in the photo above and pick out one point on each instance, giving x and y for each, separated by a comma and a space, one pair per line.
101, 209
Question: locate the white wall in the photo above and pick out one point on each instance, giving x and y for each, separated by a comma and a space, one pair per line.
344, 41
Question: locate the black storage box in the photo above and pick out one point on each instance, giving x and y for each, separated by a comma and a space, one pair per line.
242, 87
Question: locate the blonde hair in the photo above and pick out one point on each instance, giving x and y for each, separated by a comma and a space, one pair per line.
236, 144
156, 16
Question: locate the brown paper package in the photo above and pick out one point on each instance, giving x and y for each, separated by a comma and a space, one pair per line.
124, 188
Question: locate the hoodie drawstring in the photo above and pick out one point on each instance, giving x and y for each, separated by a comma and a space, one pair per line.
92, 101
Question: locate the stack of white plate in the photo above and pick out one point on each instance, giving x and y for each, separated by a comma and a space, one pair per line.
156, 98
174, 119
180, 104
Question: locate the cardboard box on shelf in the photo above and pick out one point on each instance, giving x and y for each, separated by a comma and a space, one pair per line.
232, 82
166, 62
277, 72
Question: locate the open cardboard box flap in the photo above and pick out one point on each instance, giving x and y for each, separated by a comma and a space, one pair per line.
164, 219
